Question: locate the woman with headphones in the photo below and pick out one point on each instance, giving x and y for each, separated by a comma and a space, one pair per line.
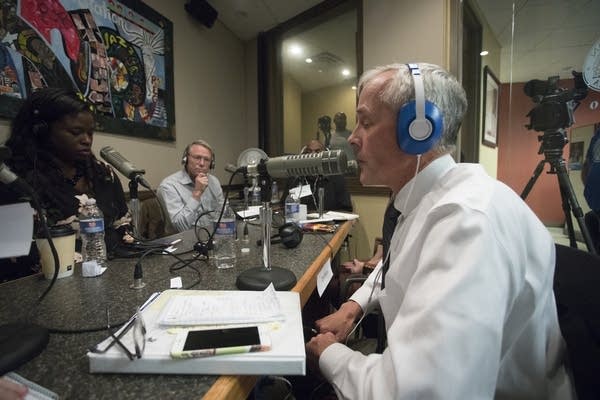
51, 145
192, 193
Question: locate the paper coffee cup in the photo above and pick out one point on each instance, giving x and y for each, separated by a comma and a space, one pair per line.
302, 212
63, 237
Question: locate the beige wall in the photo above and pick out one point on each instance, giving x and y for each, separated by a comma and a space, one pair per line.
292, 110
213, 72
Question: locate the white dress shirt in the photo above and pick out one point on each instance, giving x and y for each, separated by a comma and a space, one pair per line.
468, 300
175, 192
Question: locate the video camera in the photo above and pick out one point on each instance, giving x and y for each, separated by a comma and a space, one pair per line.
555, 106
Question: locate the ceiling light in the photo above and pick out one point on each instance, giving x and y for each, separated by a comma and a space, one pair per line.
308, 60
484, 53
346, 72
353, 87
295, 49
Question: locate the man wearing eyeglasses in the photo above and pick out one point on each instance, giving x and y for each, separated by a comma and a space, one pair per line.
192, 195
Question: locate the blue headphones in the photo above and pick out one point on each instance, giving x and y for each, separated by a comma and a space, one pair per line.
419, 122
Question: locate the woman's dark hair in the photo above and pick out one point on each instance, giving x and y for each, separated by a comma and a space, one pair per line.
31, 126
33, 159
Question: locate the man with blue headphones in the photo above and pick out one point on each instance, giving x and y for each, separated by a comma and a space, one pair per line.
192, 195
465, 285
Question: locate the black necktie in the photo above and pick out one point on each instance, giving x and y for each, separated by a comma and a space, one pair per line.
389, 224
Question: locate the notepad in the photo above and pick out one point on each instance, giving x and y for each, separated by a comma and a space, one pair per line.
232, 307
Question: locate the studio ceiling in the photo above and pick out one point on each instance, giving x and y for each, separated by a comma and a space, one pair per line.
551, 37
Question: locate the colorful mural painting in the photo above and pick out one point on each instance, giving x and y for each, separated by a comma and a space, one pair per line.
117, 54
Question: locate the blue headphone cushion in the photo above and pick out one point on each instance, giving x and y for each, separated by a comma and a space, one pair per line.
406, 116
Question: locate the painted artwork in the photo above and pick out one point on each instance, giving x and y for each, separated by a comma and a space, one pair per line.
117, 54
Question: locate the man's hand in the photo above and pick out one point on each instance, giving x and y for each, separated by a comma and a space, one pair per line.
316, 346
354, 267
10, 390
200, 182
340, 323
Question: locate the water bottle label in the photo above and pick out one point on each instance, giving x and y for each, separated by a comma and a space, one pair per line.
95, 225
226, 228
292, 208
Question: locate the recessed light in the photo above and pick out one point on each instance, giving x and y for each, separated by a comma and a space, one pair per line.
346, 72
295, 49
353, 87
308, 60
484, 53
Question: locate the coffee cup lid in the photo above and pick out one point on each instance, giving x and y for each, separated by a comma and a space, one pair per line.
57, 231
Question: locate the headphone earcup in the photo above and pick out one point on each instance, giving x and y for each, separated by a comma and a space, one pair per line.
418, 137
212, 162
291, 235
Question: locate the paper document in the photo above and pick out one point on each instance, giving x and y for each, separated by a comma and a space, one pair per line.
231, 307
330, 216
16, 232
252, 211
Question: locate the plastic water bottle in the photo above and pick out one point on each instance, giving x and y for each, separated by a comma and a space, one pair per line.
255, 193
91, 229
224, 240
274, 193
292, 208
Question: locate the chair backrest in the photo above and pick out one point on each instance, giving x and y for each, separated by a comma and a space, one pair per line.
154, 219
577, 293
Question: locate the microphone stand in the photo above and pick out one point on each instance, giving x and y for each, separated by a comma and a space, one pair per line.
258, 278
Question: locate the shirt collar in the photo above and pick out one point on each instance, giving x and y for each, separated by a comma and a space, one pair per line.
184, 178
422, 183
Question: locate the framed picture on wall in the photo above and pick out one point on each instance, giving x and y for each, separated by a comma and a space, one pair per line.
118, 54
491, 97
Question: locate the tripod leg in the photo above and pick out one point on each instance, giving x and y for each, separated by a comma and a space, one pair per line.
567, 188
536, 173
568, 218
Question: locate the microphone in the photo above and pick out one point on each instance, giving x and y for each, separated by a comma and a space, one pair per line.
9, 178
125, 167
333, 162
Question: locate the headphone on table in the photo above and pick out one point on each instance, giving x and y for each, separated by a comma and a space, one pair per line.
290, 235
419, 122
202, 143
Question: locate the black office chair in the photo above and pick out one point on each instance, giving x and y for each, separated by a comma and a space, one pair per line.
577, 293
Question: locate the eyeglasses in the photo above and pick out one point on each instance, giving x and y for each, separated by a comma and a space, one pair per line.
200, 158
139, 336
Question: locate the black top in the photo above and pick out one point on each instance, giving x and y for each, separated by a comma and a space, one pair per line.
56, 196
336, 197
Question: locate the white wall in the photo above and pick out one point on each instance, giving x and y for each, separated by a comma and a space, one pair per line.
213, 72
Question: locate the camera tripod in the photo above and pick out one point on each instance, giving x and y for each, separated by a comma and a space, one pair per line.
552, 145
